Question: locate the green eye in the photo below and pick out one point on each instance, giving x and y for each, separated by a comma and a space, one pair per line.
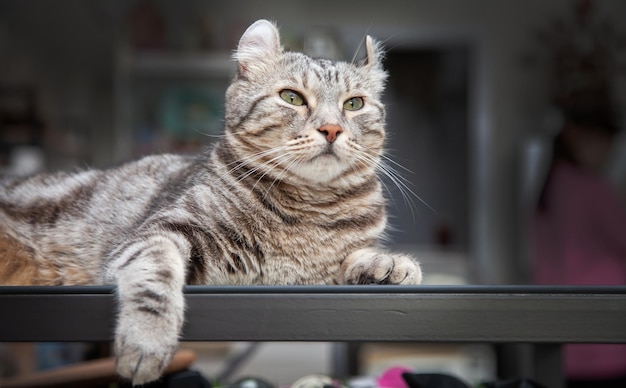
355, 103
292, 97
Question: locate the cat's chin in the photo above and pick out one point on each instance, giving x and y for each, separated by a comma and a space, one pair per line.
321, 169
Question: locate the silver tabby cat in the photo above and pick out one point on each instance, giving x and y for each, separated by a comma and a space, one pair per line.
290, 195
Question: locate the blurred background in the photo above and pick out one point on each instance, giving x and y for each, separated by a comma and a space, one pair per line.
472, 100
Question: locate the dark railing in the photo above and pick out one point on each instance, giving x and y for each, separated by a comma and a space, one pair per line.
545, 316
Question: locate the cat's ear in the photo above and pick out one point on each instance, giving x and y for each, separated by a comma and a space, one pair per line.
374, 61
260, 43
375, 52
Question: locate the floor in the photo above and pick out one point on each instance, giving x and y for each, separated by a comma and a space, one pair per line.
284, 363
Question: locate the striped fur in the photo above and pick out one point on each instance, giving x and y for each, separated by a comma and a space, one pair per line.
275, 202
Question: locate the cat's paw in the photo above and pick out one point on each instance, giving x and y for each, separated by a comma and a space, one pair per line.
142, 365
143, 353
368, 266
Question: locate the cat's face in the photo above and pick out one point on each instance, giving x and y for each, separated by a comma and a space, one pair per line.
294, 116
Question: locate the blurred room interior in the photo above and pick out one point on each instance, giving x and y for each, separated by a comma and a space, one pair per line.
470, 103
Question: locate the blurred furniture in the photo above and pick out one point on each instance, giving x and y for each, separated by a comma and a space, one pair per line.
544, 316
168, 101
21, 128
96, 373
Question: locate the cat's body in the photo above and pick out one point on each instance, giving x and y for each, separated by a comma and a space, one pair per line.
239, 232
290, 195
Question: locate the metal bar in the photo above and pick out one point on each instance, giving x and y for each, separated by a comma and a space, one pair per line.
548, 361
57, 317
337, 313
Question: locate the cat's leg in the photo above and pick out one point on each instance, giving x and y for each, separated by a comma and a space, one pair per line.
150, 275
372, 266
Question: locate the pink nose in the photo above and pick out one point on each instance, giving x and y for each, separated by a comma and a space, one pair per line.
331, 131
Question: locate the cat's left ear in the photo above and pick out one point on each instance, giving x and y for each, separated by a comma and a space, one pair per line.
260, 43
375, 52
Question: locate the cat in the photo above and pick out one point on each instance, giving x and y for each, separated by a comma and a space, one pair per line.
289, 195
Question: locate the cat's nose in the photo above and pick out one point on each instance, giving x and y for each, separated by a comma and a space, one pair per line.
331, 131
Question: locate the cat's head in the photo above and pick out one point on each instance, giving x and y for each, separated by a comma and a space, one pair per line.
313, 120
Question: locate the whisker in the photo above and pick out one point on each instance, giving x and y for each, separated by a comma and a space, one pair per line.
280, 159
392, 176
397, 179
369, 163
293, 162
259, 167
358, 49
232, 183
253, 158
403, 182
212, 135
396, 163
390, 37
257, 155
403, 188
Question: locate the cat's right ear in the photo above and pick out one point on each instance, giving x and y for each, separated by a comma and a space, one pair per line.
258, 45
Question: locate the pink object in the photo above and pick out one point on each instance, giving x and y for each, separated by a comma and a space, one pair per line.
581, 240
392, 378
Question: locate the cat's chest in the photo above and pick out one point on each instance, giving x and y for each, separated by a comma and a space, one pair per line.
287, 242
314, 248
318, 234
302, 254
307, 240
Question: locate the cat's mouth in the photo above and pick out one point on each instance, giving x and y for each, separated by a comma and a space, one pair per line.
324, 164
327, 152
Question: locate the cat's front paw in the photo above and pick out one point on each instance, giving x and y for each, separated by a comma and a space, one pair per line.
143, 353
368, 266
142, 365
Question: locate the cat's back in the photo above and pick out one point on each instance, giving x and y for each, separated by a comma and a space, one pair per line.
42, 217
44, 199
